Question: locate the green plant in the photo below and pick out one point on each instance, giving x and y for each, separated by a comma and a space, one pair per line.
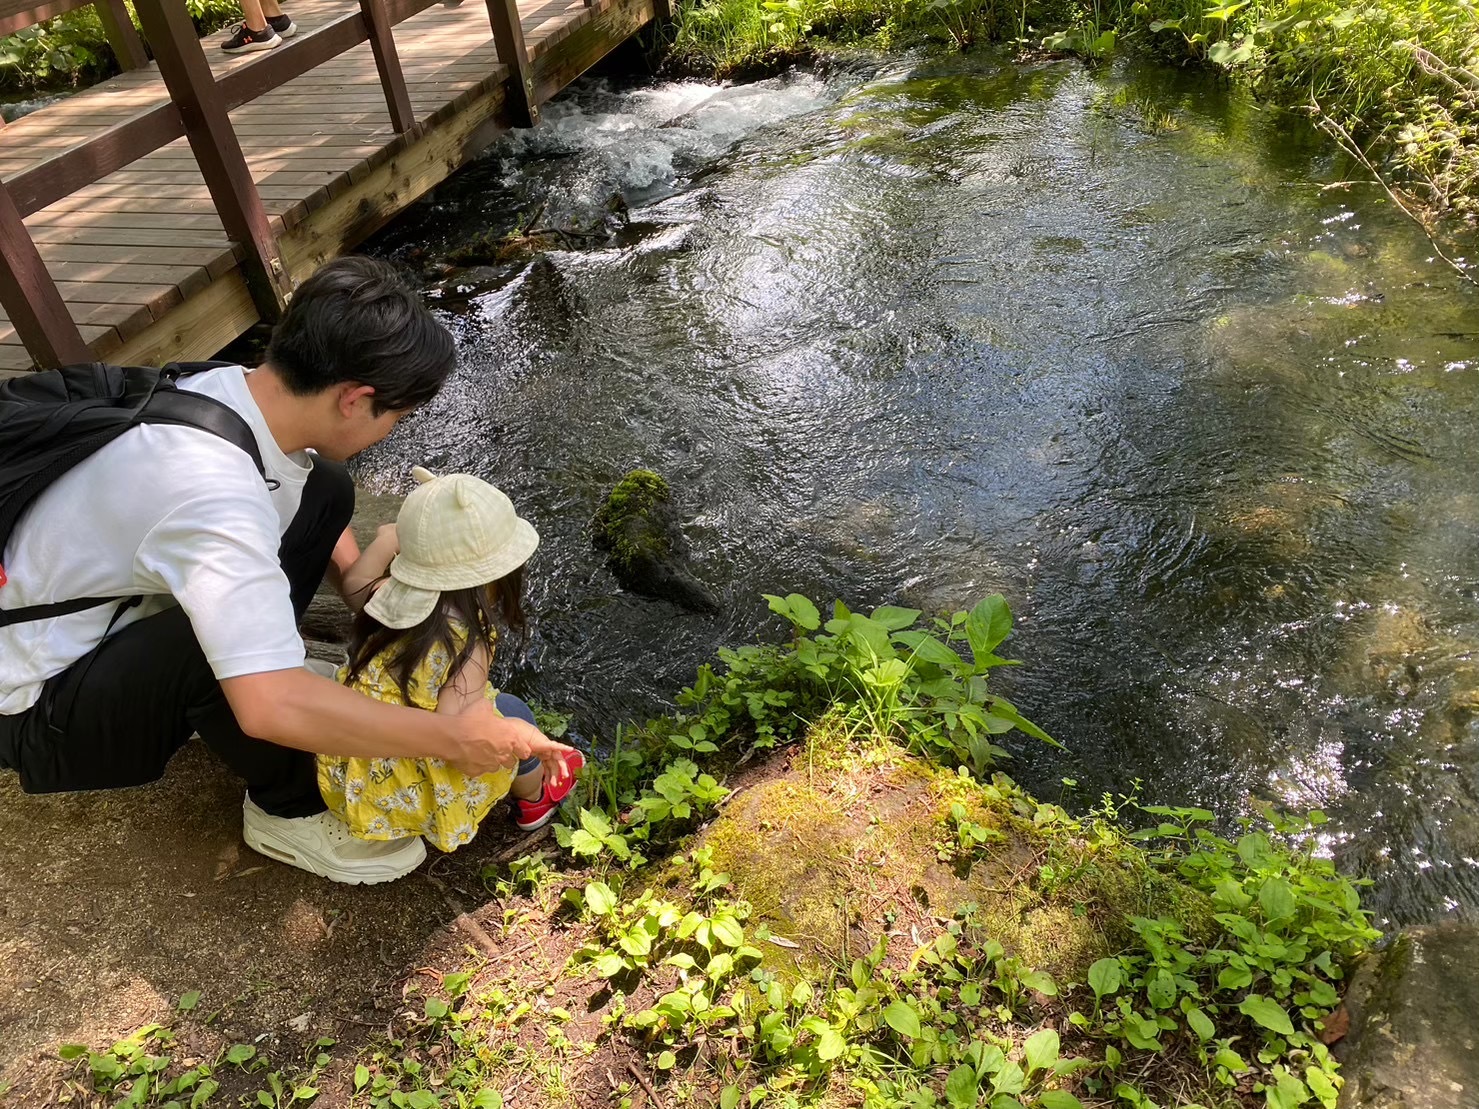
72, 49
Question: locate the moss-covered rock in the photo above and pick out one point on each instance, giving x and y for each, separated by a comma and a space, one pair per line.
638, 527
848, 846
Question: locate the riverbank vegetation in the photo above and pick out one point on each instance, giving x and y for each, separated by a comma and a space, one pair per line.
1394, 81
811, 885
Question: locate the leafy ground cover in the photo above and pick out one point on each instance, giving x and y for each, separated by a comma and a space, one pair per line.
810, 884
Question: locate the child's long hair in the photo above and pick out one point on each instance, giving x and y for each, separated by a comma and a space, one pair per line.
480, 609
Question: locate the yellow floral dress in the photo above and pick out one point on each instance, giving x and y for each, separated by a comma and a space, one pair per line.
384, 799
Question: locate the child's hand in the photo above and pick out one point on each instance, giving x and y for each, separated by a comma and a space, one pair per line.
386, 536
489, 742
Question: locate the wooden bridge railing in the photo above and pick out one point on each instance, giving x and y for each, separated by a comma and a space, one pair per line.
198, 109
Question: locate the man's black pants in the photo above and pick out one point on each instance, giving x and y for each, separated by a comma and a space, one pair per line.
116, 717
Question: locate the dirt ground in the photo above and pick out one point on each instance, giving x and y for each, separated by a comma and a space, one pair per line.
113, 905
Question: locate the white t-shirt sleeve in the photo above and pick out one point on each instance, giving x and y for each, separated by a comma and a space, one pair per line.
217, 554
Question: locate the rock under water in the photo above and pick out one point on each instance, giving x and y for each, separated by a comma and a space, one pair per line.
1414, 1040
639, 528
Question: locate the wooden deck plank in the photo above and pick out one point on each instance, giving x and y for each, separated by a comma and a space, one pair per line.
140, 257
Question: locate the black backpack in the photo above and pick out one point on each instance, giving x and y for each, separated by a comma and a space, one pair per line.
51, 421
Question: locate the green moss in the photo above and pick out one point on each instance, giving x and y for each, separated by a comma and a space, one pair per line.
845, 846
630, 522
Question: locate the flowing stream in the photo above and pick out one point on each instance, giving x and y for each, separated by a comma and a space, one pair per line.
1148, 359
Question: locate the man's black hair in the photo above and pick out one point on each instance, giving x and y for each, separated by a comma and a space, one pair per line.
356, 320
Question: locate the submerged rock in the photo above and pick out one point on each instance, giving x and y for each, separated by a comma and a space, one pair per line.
638, 526
1414, 1039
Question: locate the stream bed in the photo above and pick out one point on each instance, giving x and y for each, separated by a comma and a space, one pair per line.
1149, 359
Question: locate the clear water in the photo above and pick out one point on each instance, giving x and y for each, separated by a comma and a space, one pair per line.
1108, 342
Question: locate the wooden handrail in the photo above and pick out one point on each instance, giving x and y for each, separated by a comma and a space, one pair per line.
198, 109
63, 174
217, 151
31, 298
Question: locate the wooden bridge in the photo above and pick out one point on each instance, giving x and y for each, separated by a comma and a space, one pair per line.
160, 214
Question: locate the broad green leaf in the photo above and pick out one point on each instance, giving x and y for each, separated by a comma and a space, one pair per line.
1006, 711
1161, 989
609, 964
1277, 898
960, 1087
599, 898
1039, 980
72, 1051
1255, 850
189, 1000
1104, 977
1041, 1050
487, 1099
988, 1057
361, 1076
1059, 1099
1234, 977
830, 1045
872, 636
902, 1019
1200, 1023
1009, 1079
1227, 1057
896, 619
1320, 1085
803, 612
666, 1060
240, 1053
989, 623
930, 649
1286, 1091
729, 1097
1268, 1014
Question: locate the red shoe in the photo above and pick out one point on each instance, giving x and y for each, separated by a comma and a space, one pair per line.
530, 815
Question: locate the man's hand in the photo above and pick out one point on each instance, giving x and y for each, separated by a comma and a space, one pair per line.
489, 742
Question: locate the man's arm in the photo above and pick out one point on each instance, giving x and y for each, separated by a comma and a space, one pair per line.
294, 708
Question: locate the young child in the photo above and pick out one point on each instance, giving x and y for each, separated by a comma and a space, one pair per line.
455, 557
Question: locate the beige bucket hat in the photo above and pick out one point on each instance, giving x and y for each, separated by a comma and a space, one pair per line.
455, 532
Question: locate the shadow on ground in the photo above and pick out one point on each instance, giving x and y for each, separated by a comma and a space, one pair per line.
113, 905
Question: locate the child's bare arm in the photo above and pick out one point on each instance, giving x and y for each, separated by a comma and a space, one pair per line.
370, 567
468, 686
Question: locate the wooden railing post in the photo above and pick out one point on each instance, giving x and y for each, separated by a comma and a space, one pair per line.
388, 62
31, 298
128, 48
187, 76
508, 37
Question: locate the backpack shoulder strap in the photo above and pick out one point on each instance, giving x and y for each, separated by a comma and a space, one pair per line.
183, 408
165, 404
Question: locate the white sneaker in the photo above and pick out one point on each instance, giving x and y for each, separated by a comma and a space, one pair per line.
323, 845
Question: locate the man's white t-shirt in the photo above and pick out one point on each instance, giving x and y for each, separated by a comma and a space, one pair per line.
177, 514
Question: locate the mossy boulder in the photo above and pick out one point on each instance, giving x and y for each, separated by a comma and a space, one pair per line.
846, 846
638, 527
